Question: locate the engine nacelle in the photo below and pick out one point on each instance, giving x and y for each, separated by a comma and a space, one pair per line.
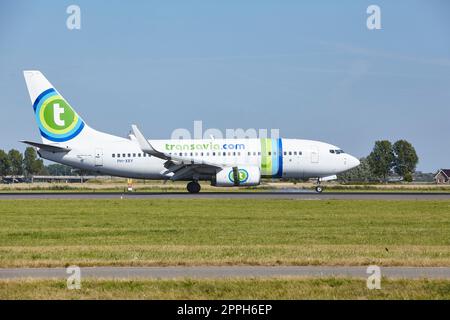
237, 176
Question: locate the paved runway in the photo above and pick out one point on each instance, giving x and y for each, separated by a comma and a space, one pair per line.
300, 195
228, 272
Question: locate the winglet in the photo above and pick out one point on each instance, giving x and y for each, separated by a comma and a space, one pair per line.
145, 145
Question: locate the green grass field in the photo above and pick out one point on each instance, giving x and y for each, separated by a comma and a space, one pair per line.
118, 185
283, 288
223, 232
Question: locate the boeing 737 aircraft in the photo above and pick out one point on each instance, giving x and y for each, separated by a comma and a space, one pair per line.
67, 139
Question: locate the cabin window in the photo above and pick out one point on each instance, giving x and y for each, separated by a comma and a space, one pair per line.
259, 153
295, 153
129, 155
239, 153
234, 153
118, 155
213, 153
191, 154
224, 153
139, 155
180, 154
285, 153
113, 155
124, 155
300, 153
134, 155
254, 153
290, 153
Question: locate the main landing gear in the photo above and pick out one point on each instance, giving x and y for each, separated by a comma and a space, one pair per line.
193, 187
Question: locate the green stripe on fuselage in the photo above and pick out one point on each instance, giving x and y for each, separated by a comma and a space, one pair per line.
266, 159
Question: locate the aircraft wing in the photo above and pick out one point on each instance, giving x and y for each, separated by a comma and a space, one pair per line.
46, 147
177, 167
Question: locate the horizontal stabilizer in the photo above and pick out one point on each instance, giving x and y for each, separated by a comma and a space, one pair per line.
46, 147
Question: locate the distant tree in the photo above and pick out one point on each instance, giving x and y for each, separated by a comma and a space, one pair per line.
408, 177
44, 170
5, 165
381, 159
31, 163
28, 160
424, 176
406, 159
57, 169
361, 173
16, 162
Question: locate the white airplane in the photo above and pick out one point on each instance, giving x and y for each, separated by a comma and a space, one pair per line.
67, 139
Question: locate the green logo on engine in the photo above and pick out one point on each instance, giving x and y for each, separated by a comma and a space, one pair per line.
242, 173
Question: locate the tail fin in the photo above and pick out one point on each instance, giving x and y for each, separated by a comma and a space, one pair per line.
57, 120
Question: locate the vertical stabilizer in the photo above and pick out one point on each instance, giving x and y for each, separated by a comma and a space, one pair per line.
56, 119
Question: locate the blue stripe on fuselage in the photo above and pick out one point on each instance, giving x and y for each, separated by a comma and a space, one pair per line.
280, 158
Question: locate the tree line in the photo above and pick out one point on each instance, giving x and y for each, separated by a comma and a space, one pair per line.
384, 160
14, 163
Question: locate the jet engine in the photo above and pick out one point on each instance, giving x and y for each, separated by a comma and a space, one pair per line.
237, 176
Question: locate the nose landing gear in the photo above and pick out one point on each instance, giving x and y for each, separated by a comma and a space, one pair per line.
319, 188
193, 187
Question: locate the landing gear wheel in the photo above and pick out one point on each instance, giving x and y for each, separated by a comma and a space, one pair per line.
193, 187
319, 189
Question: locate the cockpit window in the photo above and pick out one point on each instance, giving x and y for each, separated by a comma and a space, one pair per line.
337, 151
331, 151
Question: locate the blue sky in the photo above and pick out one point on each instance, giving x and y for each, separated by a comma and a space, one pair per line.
311, 69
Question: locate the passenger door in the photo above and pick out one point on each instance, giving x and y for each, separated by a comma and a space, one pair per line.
98, 157
314, 154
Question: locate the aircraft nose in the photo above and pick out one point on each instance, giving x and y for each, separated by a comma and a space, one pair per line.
353, 162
